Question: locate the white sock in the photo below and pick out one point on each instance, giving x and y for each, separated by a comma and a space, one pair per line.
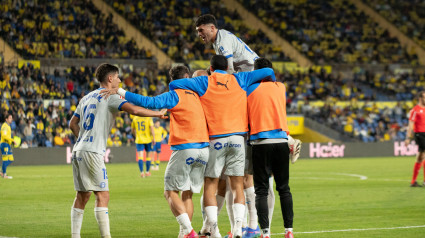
238, 211
220, 203
211, 212
250, 204
288, 230
271, 201
76, 221
266, 232
229, 205
245, 215
184, 221
102, 218
291, 140
204, 214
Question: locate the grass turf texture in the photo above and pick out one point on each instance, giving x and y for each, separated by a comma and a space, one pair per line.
327, 194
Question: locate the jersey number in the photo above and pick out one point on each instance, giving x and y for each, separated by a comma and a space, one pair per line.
141, 125
88, 125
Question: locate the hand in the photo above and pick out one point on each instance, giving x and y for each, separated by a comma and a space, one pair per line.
162, 114
407, 142
108, 92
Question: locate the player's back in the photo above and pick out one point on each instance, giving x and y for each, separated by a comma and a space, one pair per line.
142, 128
96, 120
229, 45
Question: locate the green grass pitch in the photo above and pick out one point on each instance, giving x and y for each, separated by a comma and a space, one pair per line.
332, 198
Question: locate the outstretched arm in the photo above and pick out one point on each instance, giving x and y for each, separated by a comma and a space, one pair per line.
245, 79
143, 112
198, 84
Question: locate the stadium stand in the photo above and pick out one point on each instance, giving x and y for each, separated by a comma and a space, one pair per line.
42, 104
170, 24
331, 31
54, 29
407, 16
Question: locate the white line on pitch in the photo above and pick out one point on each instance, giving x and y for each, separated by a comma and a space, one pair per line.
362, 177
349, 230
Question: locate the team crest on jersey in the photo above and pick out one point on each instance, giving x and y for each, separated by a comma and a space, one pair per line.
222, 51
121, 97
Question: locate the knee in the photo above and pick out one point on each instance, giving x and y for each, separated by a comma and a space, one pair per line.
102, 198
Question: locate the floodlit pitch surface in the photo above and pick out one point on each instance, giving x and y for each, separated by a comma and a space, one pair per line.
332, 198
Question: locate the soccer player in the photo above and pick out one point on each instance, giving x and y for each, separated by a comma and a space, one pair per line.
91, 124
417, 124
270, 151
189, 142
223, 98
160, 134
242, 58
142, 128
6, 145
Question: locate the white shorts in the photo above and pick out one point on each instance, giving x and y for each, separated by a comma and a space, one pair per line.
89, 172
185, 170
226, 153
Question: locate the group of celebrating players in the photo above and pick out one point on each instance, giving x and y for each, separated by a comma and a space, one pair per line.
228, 132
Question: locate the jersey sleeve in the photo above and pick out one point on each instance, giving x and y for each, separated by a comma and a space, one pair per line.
198, 84
166, 100
226, 49
412, 115
115, 103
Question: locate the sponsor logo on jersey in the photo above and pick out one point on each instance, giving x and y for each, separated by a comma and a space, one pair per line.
223, 84
188, 92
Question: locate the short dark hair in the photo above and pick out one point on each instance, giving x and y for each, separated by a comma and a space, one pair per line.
218, 62
103, 71
420, 94
206, 19
178, 72
262, 63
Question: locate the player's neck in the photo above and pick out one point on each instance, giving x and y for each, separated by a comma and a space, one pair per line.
107, 85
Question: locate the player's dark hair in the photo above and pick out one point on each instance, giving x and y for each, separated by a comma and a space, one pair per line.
178, 72
206, 19
420, 94
262, 63
208, 71
103, 71
218, 62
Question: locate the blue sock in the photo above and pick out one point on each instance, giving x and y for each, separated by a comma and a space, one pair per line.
4, 166
141, 165
148, 165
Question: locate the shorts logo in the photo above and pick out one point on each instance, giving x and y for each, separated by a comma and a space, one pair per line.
102, 184
218, 146
189, 161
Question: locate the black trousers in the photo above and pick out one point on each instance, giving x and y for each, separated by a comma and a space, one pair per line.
272, 159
